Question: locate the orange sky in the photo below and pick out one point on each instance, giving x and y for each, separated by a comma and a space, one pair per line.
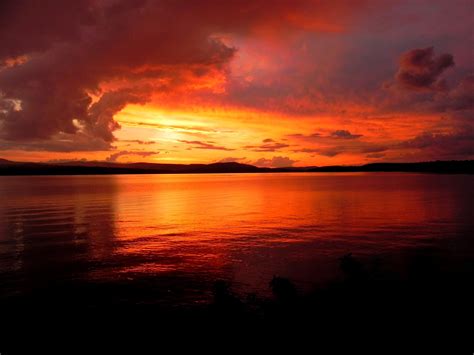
297, 83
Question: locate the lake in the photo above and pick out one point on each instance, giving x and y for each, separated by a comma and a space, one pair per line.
177, 234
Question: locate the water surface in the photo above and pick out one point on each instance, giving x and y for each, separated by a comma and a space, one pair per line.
182, 232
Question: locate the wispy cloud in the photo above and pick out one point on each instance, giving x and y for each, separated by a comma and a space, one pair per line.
204, 145
115, 156
268, 145
138, 141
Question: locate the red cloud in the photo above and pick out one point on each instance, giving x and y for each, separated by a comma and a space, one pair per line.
72, 49
115, 156
420, 69
275, 162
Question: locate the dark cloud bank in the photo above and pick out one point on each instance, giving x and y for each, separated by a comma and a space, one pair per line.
56, 56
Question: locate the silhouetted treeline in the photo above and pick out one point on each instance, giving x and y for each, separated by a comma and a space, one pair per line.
447, 167
91, 168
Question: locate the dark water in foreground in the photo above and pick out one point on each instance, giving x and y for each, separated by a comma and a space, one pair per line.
177, 234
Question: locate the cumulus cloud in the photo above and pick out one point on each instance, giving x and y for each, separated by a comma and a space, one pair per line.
115, 156
460, 98
420, 69
275, 162
436, 96
70, 66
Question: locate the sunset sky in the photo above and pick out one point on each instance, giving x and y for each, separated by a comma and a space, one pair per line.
265, 82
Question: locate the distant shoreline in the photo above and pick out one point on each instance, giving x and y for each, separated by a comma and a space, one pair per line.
10, 168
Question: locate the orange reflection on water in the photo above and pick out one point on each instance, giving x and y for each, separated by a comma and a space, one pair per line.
246, 227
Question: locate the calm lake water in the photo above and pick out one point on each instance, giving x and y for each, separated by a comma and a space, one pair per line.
183, 232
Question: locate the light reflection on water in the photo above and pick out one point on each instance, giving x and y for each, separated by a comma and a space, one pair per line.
241, 227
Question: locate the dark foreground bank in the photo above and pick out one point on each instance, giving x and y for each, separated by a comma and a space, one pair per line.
428, 305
